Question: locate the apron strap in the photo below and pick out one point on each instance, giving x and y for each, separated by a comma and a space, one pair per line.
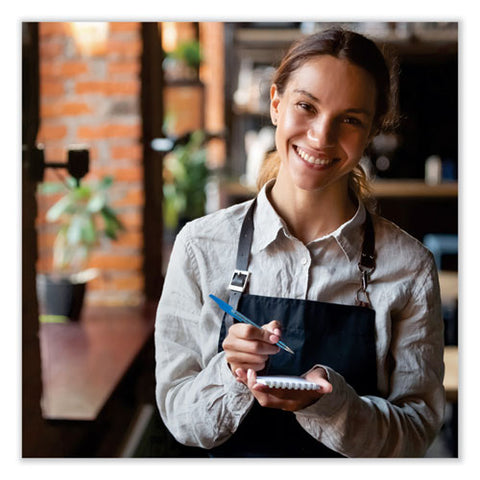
241, 274
367, 262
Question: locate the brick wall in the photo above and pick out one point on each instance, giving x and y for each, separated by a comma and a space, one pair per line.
95, 100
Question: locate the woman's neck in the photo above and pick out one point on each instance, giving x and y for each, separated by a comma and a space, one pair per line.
312, 214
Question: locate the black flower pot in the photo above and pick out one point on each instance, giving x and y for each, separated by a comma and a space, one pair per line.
60, 296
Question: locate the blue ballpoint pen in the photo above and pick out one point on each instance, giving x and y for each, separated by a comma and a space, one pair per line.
242, 318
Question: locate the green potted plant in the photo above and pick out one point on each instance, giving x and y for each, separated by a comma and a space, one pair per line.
185, 179
84, 217
183, 62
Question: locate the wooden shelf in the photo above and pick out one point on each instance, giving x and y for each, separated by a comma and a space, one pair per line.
413, 188
402, 188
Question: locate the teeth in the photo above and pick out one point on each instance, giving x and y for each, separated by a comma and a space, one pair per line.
313, 160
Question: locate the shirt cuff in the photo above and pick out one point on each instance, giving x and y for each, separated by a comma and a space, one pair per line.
228, 378
329, 403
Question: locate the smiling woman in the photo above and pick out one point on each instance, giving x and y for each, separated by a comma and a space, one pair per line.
324, 118
355, 297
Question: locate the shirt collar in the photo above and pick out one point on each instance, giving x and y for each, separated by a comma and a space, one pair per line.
266, 220
268, 224
349, 236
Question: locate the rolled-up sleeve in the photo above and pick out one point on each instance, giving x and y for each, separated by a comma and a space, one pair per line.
405, 422
198, 398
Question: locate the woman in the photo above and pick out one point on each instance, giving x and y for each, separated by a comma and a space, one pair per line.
354, 296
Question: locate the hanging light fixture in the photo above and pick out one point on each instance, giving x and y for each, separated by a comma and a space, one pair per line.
90, 37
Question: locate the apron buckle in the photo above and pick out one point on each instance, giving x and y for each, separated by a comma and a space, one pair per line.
239, 280
362, 291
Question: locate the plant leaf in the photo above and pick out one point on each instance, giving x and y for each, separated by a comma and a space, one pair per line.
96, 202
74, 232
58, 208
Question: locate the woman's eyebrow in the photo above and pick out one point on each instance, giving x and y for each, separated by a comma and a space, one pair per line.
308, 94
362, 111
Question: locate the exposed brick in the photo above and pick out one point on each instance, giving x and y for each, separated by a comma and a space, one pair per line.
75, 89
44, 263
132, 282
51, 88
51, 132
89, 87
55, 68
130, 239
124, 27
107, 88
87, 132
130, 67
128, 174
115, 262
133, 196
132, 221
124, 49
51, 49
46, 241
60, 109
129, 152
48, 29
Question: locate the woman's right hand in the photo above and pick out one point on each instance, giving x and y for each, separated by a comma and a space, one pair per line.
247, 347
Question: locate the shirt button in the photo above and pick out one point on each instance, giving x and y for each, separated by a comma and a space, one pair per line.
304, 261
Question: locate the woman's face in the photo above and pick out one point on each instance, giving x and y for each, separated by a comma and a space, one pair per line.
324, 119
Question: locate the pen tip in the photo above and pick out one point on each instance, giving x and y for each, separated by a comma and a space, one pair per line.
289, 350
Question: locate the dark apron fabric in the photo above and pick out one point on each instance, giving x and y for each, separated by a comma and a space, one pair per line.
338, 336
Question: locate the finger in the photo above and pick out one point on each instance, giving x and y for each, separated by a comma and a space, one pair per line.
256, 347
251, 378
241, 375
275, 327
249, 332
235, 357
319, 376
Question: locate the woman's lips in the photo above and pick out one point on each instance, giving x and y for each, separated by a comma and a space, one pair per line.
321, 161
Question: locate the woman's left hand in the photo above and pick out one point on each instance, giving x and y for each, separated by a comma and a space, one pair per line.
284, 399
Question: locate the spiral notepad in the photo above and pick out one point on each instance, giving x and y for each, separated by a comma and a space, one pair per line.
289, 382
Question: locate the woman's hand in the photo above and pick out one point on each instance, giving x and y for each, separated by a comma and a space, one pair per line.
247, 347
284, 399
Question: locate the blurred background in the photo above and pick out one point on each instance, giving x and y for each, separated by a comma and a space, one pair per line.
131, 129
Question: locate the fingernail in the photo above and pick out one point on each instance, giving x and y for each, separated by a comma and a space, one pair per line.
238, 372
277, 332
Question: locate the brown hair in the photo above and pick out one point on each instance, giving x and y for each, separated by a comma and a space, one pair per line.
360, 51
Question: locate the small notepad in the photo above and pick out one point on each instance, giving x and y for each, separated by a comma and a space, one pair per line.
288, 382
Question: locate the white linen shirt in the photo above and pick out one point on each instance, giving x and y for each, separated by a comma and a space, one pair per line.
198, 397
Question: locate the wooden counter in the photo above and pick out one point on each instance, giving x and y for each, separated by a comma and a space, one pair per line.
83, 362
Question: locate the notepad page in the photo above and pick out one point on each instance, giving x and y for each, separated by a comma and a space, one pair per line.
287, 382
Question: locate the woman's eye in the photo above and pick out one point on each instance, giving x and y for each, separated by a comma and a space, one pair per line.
305, 106
352, 121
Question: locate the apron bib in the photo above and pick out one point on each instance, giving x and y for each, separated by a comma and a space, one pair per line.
341, 337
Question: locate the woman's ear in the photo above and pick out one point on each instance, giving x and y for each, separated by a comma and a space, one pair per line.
274, 101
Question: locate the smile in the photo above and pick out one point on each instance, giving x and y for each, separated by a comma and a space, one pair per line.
321, 161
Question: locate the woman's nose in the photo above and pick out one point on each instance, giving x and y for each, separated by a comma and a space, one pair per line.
322, 133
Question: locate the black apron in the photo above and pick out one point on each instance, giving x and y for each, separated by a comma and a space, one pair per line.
338, 336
